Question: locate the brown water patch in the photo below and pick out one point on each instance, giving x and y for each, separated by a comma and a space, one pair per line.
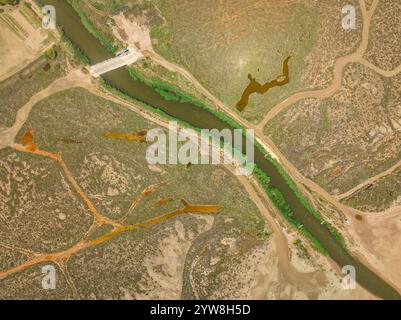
28, 140
47, 67
148, 191
197, 209
163, 202
137, 136
71, 141
256, 87
202, 118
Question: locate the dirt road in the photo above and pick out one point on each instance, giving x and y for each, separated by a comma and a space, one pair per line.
301, 181
77, 78
73, 79
369, 181
340, 64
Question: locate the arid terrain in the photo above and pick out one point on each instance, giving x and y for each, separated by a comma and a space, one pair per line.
22, 40
193, 256
77, 192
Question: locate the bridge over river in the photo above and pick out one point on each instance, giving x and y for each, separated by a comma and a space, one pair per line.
131, 56
204, 119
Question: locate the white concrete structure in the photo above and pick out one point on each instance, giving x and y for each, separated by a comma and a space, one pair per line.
132, 56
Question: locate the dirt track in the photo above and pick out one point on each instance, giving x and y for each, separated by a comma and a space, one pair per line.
73, 79
61, 257
301, 181
369, 181
77, 78
340, 64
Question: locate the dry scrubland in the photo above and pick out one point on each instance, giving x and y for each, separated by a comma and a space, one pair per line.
231, 255
379, 196
42, 212
341, 141
385, 35
18, 89
228, 40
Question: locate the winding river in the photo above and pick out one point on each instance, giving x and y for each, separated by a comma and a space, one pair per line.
69, 20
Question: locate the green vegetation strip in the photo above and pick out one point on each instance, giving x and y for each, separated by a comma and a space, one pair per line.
110, 88
79, 55
170, 92
173, 93
91, 28
300, 196
70, 46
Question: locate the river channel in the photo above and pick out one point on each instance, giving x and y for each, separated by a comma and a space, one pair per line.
69, 20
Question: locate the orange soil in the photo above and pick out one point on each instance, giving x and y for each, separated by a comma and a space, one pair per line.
27, 140
61, 257
162, 202
138, 136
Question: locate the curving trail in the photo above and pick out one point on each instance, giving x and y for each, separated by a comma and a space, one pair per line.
339, 66
74, 78
78, 79
60, 258
99, 219
369, 181
384, 73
